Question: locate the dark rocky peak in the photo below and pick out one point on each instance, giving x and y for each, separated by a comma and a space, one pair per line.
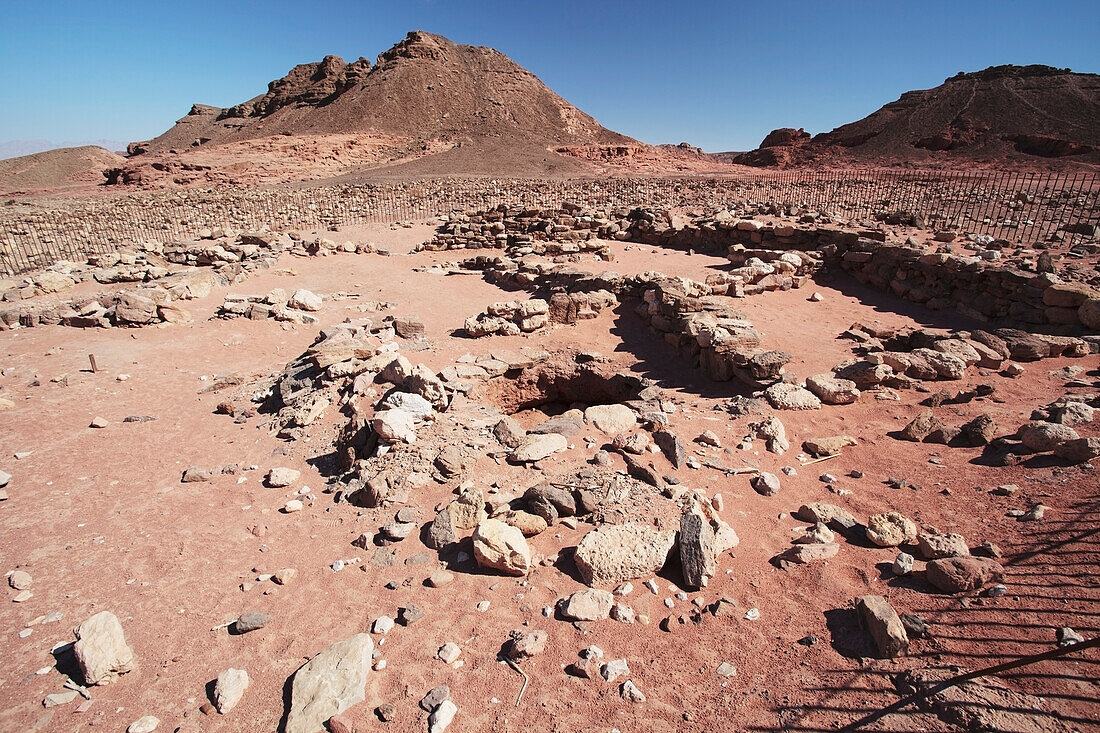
314, 84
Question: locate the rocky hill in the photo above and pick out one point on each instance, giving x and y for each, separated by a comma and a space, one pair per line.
59, 169
1004, 114
424, 97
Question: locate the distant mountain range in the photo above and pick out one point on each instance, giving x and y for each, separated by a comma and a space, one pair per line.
431, 107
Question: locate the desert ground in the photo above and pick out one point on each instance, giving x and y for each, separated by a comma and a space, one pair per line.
99, 518
405, 396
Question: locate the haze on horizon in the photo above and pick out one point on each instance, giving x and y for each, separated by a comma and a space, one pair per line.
716, 75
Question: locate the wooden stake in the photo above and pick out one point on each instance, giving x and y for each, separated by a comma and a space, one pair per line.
91, 359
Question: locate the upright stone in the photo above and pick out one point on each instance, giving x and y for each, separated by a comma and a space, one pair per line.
697, 552
229, 689
329, 684
101, 649
883, 623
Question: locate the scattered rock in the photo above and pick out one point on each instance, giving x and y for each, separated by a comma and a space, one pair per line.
305, 300
279, 477
612, 670
144, 724
449, 652
903, 564
251, 621
499, 546
442, 717
725, 669
708, 437
194, 474
883, 623
832, 390
440, 578
810, 552
774, 435
921, 427
329, 684
101, 649
611, 419
1068, 637
766, 484
229, 689
820, 512
614, 553
522, 644
509, 432
936, 546
434, 698
538, 446
284, 576
698, 555
961, 574
629, 691
783, 396
890, 529
830, 446
19, 579
590, 604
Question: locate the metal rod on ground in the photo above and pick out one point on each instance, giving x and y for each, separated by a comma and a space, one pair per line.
819, 460
526, 679
959, 679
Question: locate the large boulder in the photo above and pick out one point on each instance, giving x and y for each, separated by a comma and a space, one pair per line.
101, 649
613, 554
329, 684
1089, 314
500, 546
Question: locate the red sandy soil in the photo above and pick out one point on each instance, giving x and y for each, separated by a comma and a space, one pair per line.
100, 519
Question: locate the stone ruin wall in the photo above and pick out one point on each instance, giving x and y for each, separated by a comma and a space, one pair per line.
968, 285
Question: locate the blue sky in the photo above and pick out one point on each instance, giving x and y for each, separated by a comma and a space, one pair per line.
716, 74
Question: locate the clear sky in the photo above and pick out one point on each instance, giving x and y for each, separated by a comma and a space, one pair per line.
720, 75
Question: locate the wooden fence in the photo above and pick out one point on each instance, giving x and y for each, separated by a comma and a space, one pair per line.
1023, 207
